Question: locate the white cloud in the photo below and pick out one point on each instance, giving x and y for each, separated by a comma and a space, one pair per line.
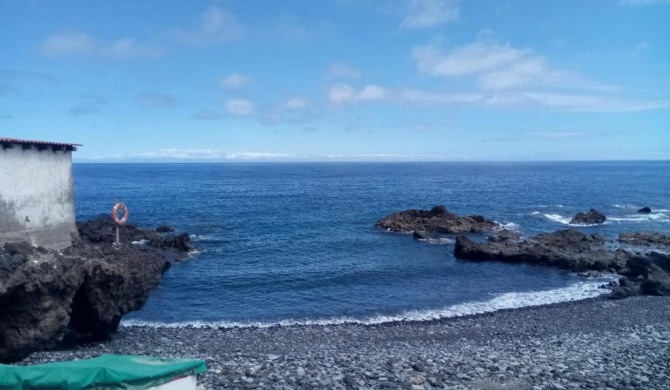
193, 155
129, 48
152, 101
540, 100
340, 70
80, 43
235, 81
181, 154
344, 93
429, 13
239, 107
496, 65
296, 103
256, 156
474, 58
68, 44
214, 26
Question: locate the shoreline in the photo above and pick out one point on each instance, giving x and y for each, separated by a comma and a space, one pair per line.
592, 343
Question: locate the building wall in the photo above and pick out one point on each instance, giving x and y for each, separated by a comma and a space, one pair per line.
36, 197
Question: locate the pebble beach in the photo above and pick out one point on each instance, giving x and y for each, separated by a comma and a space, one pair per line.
588, 344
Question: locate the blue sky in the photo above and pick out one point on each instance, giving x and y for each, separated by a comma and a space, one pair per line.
339, 80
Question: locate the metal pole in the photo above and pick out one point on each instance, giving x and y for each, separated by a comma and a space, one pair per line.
117, 235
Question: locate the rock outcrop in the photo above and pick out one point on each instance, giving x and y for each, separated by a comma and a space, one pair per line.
645, 210
644, 274
645, 239
566, 249
436, 220
103, 230
592, 217
86, 288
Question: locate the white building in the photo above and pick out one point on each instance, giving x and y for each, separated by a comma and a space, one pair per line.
36, 193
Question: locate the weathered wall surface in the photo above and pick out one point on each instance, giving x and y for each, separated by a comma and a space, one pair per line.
36, 197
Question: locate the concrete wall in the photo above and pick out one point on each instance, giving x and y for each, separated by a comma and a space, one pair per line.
36, 196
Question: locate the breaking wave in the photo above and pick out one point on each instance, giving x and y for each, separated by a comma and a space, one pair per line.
582, 290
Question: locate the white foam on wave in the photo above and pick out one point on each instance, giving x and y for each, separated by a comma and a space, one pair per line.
557, 218
641, 218
581, 290
625, 206
508, 226
535, 213
438, 241
566, 221
140, 242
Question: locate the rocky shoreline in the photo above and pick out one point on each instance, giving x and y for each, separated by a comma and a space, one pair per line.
589, 344
87, 288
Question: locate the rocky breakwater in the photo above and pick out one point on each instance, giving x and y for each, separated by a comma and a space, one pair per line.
566, 249
85, 289
436, 220
643, 273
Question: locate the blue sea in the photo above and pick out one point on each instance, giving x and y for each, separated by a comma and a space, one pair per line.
296, 243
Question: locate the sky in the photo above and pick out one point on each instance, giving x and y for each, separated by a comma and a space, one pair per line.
339, 80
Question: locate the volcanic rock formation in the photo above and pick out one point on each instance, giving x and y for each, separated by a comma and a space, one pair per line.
86, 288
592, 217
566, 249
436, 220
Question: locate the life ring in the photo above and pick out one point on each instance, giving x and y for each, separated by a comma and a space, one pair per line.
115, 213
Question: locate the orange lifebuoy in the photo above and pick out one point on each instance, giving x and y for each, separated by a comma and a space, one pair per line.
115, 213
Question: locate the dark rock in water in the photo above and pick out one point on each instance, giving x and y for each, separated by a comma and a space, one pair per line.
653, 268
504, 235
624, 289
86, 288
645, 210
657, 282
165, 229
566, 249
181, 243
420, 235
436, 220
645, 238
592, 217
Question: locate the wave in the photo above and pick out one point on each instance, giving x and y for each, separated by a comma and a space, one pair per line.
578, 291
641, 218
626, 206
508, 226
206, 238
438, 241
566, 221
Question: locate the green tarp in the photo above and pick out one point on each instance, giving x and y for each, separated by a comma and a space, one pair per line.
105, 372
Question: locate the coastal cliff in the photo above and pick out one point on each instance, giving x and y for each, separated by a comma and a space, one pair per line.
86, 289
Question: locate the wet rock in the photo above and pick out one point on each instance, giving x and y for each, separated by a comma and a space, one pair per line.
645, 238
645, 210
436, 220
566, 249
592, 217
420, 235
165, 229
504, 235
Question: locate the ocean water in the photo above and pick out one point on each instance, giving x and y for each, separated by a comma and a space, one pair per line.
296, 243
